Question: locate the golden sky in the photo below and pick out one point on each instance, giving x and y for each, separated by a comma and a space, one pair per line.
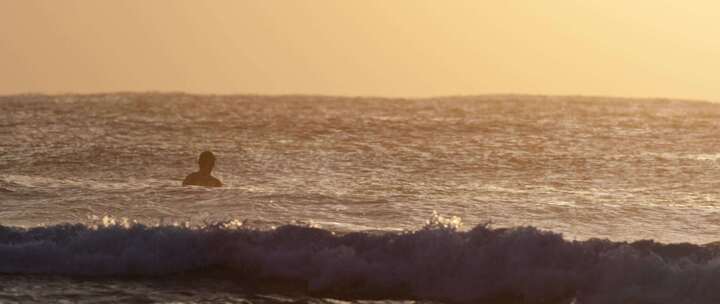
641, 48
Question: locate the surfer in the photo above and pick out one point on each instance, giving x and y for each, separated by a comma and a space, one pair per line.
202, 177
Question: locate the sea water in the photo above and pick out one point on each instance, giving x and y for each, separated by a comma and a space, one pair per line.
477, 199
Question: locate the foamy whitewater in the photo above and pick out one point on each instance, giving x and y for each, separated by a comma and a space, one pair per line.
488, 199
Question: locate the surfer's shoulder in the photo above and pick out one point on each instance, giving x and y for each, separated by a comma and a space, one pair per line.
214, 182
190, 179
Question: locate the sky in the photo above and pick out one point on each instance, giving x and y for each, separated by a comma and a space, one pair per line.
395, 48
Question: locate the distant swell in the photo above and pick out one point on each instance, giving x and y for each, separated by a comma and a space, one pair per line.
484, 264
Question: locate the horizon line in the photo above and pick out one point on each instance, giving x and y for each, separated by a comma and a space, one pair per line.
350, 96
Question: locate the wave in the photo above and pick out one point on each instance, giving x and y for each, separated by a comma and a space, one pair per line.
437, 262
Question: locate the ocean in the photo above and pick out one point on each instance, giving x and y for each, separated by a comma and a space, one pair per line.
468, 199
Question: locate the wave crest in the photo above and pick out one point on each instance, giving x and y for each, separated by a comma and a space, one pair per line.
435, 263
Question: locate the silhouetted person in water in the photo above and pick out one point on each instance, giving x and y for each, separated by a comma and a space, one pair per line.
202, 177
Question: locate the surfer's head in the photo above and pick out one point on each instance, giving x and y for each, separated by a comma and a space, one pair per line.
206, 161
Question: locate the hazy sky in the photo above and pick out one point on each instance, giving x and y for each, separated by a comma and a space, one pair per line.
385, 47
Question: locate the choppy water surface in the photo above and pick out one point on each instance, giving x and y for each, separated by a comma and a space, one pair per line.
621, 169
585, 167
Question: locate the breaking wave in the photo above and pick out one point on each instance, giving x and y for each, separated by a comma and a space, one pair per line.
437, 262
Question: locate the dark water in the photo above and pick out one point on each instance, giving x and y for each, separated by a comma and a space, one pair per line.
111, 165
